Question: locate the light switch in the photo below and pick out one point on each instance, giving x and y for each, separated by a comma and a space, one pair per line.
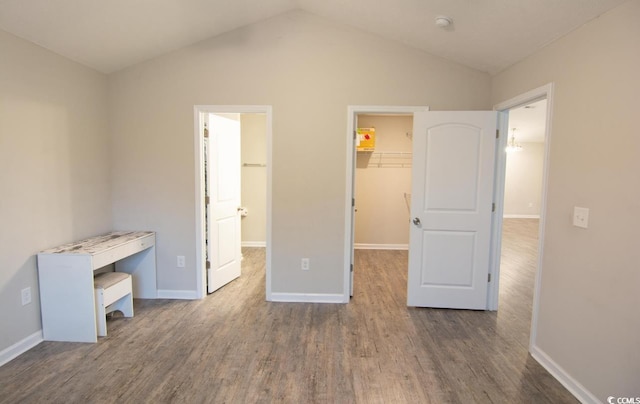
580, 217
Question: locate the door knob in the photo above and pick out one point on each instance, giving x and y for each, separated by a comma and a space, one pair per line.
416, 221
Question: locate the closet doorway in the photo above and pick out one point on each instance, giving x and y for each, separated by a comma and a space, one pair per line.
383, 182
395, 127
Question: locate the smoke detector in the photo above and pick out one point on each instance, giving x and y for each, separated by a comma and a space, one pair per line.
443, 22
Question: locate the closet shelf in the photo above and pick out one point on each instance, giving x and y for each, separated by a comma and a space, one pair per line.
389, 159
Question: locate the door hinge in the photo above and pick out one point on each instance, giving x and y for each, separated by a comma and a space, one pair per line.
493, 207
208, 265
351, 267
353, 202
497, 133
489, 278
206, 200
206, 131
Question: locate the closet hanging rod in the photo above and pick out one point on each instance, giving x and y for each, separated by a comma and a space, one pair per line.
253, 165
396, 154
390, 159
407, 200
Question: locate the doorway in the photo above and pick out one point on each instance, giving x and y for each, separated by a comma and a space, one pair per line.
383, 182
540, 117
458, 176
352, 163
521, 213
492, 292
253, 210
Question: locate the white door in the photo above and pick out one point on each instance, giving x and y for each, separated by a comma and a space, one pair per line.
223, 190
451, 209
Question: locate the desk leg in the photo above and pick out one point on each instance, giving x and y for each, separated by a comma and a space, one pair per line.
67, 298
142, 267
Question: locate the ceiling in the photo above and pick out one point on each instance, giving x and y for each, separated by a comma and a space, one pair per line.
529, 122
487, 35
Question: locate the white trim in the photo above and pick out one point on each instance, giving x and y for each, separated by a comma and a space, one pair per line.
530, 96
198, 110
545, 91
199, 193
578, 390
364, 246
308, 297
499, 176
20, 347
254, 244
352, 111
509, 216
178, 294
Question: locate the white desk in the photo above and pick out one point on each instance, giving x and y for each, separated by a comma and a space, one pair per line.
66, 274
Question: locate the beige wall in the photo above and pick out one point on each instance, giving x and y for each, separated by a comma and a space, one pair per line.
523, 181
588, 315
254, 179
309, 70
383, 216
55, 156
54, 159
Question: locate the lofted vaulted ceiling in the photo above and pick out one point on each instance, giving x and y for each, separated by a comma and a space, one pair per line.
487, 35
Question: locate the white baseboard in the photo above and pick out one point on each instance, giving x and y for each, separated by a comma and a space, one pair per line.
178, 294
364, 246
574, 387
20, 347
509, 216
308, 298
254, 244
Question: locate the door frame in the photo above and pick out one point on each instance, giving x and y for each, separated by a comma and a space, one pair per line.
349, 227
198, 112
545, 91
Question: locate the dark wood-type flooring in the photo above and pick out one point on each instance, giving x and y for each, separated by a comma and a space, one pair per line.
234, 347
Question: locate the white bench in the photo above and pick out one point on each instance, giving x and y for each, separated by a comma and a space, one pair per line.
112, 293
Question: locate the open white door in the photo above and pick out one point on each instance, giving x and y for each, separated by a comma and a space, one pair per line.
223, 177
451, 209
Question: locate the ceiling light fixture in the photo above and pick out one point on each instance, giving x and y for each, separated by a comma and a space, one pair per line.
512, 146
443, 22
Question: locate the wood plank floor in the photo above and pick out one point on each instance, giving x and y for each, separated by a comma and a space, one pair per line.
233, 347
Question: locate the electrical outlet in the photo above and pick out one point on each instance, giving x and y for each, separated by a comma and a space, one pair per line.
180, 261
304, 265
26, 296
